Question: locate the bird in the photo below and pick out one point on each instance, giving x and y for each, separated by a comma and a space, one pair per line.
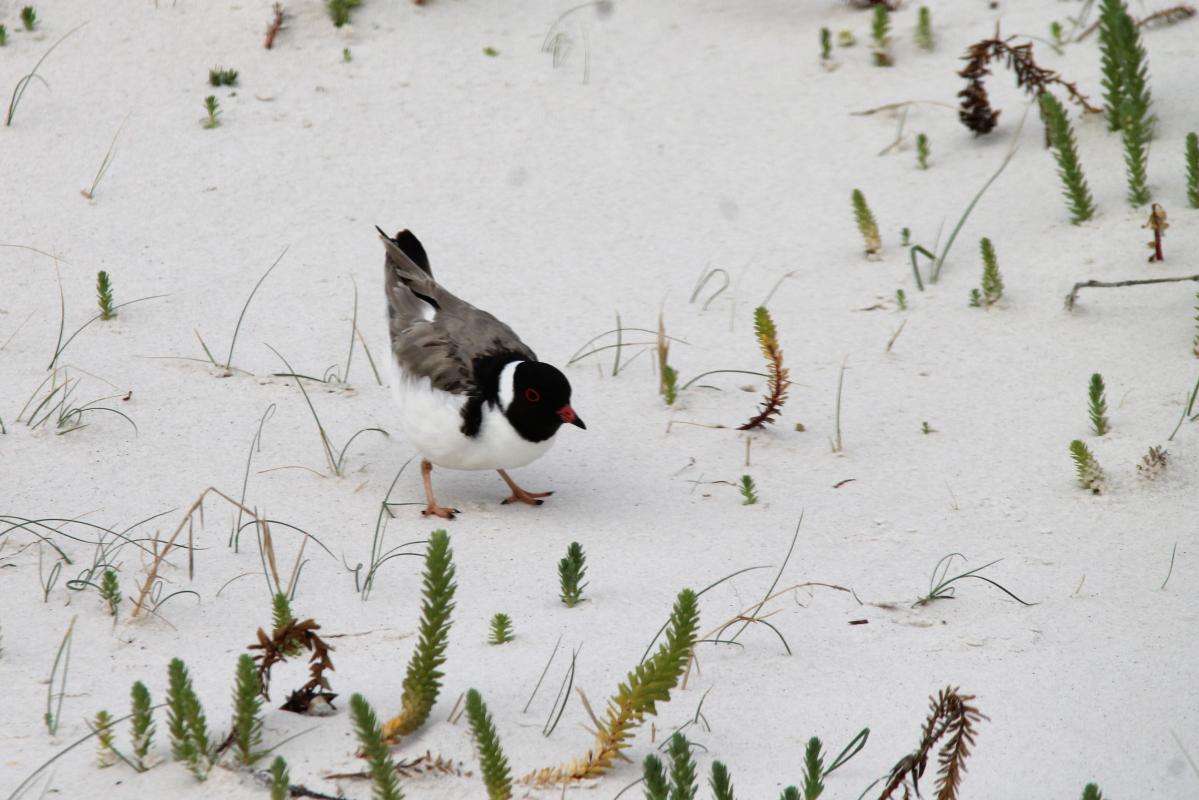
471, 394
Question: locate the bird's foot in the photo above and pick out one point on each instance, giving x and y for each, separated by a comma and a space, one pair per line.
519, 495
434, 510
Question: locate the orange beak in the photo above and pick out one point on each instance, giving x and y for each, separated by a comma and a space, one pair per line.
568, 415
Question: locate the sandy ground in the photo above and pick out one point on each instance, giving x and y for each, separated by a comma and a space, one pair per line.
672, 137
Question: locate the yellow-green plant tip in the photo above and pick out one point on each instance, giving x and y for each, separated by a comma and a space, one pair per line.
422, 682
385, 784
790, 793
1089, 473
650, 683
922, 151
110, 590
1091, 792
501, 629
28, 18
880, 29
749, 492
104, 295
102, 725
497, 776
186, 723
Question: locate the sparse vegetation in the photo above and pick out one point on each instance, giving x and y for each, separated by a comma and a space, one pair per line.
924, 29
213, 108
1192, 169
247, 712
339, 10
1065, 150
992, 281
186, 723
501, 629
1097, 405
280, 779
1090, 474
1153, 463
922, 151
104, 296
142, 726
749, 492
777, 376
497, 776
866, 224
422, 683
571, 571
826, 44
952, 717
374, 748
110, 590
218, 76
29, 18
880, 34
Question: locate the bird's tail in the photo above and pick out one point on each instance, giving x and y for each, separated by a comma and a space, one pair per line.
407, 274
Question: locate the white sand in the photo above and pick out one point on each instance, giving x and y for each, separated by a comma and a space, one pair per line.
708, 135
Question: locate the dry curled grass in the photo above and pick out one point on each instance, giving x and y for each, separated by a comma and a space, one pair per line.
953, 718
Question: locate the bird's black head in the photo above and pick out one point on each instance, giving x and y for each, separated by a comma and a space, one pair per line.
540, 401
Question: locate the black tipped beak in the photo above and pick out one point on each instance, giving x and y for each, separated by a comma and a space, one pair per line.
567, 414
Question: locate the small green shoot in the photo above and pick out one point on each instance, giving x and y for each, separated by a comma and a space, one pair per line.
1091, 792
655, 779
924, 29
346, 56
976, 298
922, 151
3, 36
813, 762
53, 713
18, 91
1192, 162
1057, 34
247, 712
497, 775
110, 590
571, 571
880, 34
846, 39
865, 220
721, 782
1195, 340
213, 107
374, 748
940, 586
926, 429
143, 725
186, 723
102, 725
682, 769
339, 10
1089, 473
490, 52
422, 683
1065, 151
280, 779
901, 299
992, 281
826, 45
749, 491
104, 296
217, 76
501, 629
28, 18
1097, 405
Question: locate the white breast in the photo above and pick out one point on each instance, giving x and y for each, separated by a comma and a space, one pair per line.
431, 419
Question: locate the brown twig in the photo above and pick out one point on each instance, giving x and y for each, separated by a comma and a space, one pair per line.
976, 112
1072, 298
425, 764
276, 25
160, 556
1157, 223
950, 713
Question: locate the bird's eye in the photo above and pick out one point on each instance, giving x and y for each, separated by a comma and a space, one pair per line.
532, 395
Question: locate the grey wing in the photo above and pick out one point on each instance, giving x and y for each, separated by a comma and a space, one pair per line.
436, 335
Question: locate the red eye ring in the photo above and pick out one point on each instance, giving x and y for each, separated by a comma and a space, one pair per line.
532, 395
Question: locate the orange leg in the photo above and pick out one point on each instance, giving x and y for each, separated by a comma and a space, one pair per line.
519, 494
432, 509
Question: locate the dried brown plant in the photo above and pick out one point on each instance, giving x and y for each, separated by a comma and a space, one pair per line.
777, 380
951, 715
975, 110
292, 637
